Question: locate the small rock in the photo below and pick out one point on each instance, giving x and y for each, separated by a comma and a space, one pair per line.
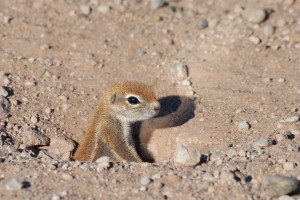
217, 157
55, 197
48, 111
254, 39
66, 177
281, 80
244, 126
63, 147
263, 142
4, 108
231, 153
66, 107
33, 137
180, 70
255, 15
155, 4
288, 166
292, 119
3, 91
157, 185
269, 30
285, 197
185, 156
6, 81
85, 10
103, 159
279, 137
13, 184
34, 119
103, 166
267, 80
242, 153
145, 181
278, 185
103, 9
45, 46
202, 24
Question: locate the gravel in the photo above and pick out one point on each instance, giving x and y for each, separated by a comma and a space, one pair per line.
262, 142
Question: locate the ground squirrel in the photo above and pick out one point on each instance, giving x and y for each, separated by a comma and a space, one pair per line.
109, 132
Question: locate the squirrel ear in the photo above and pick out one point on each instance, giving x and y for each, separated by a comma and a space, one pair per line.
113, 98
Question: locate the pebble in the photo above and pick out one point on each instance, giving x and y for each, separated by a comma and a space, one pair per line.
263, 142
103, 166
278, 185
103, 9
267, 80
285, 197
4, 108
217, 157
185, 156
66, 107
13, 184
268, 30
242, 153
281, 22
48, 111
45, 46
145, 181
181, 70
281, 80
103, 159
55, 197
279, 137
157, 185
292, 119
6, 81
203, 24
33, 137
255, 15
155, 4
254, 40
34, 118
85, 9
244, 126
231, 153
66, 177
3, 91
288, 166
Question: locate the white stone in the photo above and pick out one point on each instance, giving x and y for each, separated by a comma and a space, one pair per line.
185, 156
13, 184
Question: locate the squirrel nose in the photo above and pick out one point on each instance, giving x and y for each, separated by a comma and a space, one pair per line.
156, 106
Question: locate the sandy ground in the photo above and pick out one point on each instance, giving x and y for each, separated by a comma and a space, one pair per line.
58, 57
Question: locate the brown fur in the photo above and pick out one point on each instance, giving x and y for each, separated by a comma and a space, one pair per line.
105, 133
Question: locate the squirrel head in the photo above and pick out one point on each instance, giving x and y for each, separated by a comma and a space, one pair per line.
133, 101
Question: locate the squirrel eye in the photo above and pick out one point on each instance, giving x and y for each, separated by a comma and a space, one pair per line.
133, 100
